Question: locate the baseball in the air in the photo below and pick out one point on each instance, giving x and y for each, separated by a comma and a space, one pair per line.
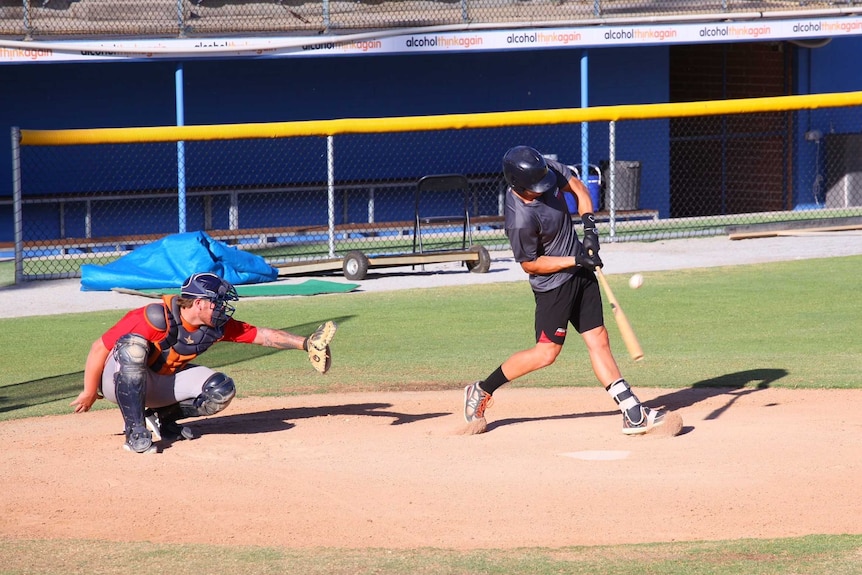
636, 281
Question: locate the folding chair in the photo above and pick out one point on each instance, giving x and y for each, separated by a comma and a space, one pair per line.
442, 183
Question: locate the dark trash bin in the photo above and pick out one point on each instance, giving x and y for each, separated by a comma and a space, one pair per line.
627, 187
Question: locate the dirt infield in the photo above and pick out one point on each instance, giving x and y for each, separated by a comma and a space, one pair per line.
388, 470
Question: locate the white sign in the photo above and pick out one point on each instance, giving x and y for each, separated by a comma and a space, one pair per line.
429, 41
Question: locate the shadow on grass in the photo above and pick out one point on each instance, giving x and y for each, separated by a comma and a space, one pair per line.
69, 385
731, 385
41, 391
229, 353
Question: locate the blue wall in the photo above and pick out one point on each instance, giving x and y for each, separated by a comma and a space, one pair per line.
264, 90
45, 96
835, 67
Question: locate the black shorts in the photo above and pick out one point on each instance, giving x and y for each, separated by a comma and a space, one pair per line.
577, 301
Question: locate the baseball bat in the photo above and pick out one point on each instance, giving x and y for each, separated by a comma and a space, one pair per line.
626, 331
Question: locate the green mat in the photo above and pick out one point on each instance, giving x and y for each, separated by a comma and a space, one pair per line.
308, 287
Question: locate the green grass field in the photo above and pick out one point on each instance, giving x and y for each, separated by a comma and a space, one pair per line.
791, 325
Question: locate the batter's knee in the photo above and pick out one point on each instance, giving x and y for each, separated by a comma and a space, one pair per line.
217, 393
546, 354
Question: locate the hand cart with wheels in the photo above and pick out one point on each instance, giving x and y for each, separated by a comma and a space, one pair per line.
356, 263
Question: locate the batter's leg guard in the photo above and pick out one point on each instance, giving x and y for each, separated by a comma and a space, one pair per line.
625, 398
637, 418
217, 393
130, 385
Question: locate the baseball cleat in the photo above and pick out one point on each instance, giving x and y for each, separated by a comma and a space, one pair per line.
163, 428
476, 400
139, 440
649, 419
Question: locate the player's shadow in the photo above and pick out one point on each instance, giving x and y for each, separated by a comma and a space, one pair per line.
731, 385
282, 419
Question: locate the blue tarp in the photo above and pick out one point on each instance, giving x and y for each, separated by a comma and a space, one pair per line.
168, 262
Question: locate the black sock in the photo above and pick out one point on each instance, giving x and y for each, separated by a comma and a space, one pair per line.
494, 381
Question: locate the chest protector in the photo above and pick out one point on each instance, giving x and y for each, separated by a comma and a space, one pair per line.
179, 346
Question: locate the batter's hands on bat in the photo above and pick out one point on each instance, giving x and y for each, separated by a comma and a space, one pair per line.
591, 235
589, 260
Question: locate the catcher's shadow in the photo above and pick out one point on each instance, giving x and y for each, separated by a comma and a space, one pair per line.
282, 419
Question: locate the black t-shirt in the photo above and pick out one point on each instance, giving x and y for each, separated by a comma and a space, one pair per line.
543, 227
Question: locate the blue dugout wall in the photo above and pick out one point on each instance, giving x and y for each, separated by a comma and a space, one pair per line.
47, 96
834, 67
50, 96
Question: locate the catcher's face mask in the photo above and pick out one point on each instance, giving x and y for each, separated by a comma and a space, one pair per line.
210, 287
222, 310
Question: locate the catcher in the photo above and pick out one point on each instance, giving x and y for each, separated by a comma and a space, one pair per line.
143, 363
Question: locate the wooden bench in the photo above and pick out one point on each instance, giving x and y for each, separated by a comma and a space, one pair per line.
129, 242
620, 215
628, 215
257, 236
261, 237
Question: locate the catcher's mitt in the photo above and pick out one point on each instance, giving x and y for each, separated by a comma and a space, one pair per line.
317, 346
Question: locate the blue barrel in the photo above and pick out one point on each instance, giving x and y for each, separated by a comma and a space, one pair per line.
594, 187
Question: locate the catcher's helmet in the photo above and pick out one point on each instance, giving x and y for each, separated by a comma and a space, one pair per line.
211, 287
526, 169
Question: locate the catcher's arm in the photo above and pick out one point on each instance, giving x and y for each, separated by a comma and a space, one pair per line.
269, 337
316, 345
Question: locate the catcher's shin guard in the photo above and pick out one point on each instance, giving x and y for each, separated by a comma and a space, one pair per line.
130, 386
217, 393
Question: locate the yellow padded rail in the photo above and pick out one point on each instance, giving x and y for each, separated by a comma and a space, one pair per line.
428, 123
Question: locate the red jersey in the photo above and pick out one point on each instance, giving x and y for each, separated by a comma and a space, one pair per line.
173, 343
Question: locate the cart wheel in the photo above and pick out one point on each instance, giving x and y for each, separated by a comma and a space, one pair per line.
355, 265
483, 264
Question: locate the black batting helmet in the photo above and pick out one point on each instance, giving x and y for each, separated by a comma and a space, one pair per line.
526, 169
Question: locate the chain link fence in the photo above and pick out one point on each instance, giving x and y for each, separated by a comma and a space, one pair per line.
43, 19
316, 199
